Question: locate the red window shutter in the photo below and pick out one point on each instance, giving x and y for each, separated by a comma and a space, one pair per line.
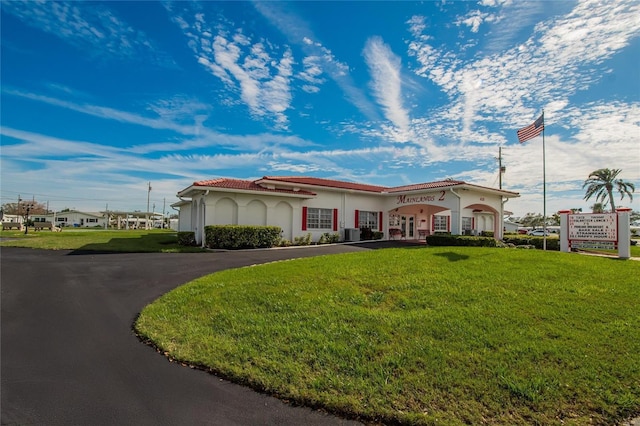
335, 219
304, 218
473, 223
448, 223
380, 223
357, 219
433, 223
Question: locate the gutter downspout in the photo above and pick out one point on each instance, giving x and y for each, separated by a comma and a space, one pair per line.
459, 224
504, 201
204, 214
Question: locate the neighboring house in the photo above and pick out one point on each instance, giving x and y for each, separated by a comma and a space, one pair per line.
301, 205
511, 227
72, 218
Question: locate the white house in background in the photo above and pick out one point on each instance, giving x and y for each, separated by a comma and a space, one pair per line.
511, 227
301, 205
72, 218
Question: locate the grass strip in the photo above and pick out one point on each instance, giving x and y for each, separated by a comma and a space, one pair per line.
122, 241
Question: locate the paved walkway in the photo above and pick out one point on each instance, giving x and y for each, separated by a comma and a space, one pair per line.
69, 356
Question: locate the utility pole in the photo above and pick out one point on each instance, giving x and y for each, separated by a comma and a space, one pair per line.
501, 168
148, 193
146, 224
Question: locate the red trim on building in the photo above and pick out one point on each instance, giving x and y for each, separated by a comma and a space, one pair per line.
357, 219
304, 218
433, 223
335, 219
448, 223
380, 223
473, 223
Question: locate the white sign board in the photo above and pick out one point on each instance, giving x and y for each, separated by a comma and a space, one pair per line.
593, 227
607, 245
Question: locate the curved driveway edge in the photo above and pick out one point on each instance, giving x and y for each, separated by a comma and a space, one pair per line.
69, 356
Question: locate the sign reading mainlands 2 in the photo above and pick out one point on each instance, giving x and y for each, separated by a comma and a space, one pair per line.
593, 227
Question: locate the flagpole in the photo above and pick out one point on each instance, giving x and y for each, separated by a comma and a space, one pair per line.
544, 190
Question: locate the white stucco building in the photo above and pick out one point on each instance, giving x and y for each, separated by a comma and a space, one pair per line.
301, 205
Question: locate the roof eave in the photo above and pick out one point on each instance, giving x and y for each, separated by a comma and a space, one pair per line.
194, 189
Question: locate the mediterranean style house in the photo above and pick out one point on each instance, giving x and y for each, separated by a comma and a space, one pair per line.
301, 205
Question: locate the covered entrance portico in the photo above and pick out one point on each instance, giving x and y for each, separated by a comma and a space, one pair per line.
460, 211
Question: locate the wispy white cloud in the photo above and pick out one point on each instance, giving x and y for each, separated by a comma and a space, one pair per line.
259, 71
510, 87
298, 33
386, 73
171, 114
90, 27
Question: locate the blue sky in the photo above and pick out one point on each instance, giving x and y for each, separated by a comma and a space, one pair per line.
98, 99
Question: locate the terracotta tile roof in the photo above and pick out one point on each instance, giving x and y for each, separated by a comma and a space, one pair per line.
245, 185
427, 185
256, 185
306, 180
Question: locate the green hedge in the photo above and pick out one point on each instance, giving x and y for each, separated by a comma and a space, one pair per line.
460, 240
537, 242
233, 237
187, 238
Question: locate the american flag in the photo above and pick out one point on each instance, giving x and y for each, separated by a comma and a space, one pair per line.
532, 130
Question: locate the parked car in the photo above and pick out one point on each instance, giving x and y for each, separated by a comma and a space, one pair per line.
538, 233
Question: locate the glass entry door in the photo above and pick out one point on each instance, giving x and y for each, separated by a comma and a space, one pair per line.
407, 226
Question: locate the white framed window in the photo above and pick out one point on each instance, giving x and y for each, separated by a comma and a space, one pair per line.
61, 219
467, 223
394, 221
319, 218
440, 223
368, 219
92, 220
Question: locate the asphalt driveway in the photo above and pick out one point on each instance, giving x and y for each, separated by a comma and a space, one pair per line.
69, 356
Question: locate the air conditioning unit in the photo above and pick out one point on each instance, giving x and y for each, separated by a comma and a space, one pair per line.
351, 234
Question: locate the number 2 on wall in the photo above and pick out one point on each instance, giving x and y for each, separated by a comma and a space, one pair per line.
441, 196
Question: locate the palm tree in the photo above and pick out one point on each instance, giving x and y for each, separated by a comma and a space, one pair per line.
601, 183
598, 208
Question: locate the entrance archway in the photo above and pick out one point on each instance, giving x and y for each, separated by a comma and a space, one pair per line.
485, 218
413, 221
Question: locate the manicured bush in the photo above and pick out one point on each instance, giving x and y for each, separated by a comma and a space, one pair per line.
187, 238
233, 237
329, 238
367, 234
302, 241
537, 242
460, 240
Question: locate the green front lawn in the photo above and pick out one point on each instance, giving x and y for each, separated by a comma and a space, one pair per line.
421, 335
127, 241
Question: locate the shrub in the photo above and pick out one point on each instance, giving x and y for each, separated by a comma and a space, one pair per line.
284, 243
486, 234
442, 239
233, 237
328, 238
302, 241
187, 238
377, 235
537, 242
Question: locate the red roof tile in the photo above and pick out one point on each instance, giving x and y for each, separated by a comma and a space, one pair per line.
256, 185
245, 185
306, 180
427, 185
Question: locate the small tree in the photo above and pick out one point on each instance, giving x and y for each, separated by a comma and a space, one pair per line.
601, 184
597, 208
